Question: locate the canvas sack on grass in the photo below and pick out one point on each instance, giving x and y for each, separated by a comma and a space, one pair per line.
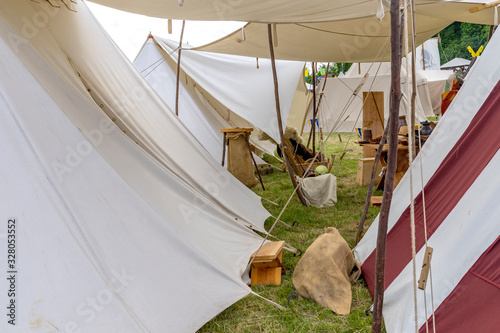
325, 272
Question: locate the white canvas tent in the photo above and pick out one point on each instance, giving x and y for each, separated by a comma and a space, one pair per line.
111, 234
129, 101
460, 164
219, 91
456, 63
436, 81
340, 111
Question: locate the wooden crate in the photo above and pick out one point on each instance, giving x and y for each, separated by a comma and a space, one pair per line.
266, 267
364, 173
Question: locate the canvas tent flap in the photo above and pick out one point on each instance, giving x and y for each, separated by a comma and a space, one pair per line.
248, 10
113, 83
153, 65
236, 81
436, 82
98, 218
460, 160
356, 40
291, 11
241, 85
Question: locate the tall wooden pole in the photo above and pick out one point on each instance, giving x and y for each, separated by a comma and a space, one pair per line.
372, 184
278, 114
179, 71
413, 76
314, 109
391, 165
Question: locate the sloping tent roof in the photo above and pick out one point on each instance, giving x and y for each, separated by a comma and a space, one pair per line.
248, 10
456, 62
293, 11
341, 111
203, 119
224, 86
358, 39
139, 112
99, 221
460, 176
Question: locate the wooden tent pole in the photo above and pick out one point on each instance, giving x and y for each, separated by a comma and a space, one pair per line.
278, 114
179, 71
490, 34
253, 160
314, 109
411, 130
372, 184
484, 6
391, 165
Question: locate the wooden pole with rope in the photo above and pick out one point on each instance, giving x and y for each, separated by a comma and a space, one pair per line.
278, 114
178, 71
391, 166
411, 130
372, 184
313, 125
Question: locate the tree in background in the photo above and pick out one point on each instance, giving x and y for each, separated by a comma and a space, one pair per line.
457, 36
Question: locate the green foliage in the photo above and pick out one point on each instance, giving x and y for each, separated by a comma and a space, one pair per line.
253, 314
334, 70
457, 36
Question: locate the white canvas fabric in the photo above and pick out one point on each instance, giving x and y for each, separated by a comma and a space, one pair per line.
248, 10
341, 111
467, 231
436, 82
362, 39
153, 65
430, 53
456, 63
244, 85
294, 11
319, 191
204, 114
128, 100
108, 238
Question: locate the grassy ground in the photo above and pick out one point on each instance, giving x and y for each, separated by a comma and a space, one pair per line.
252, 314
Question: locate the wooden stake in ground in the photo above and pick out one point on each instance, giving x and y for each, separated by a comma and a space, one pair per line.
278, 114
313, 129
178, 71
391, 165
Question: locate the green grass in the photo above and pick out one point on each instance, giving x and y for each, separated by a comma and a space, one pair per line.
252, 314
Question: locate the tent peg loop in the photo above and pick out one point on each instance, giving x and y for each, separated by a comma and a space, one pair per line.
293, 293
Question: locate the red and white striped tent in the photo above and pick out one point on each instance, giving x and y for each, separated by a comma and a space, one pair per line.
461, 182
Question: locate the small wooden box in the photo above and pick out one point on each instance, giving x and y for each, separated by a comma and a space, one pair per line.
266, 267
364, 174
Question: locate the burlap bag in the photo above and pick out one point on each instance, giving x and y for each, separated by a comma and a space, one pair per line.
239, 161
325, 272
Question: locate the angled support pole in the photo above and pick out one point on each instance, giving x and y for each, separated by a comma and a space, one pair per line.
278, 114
